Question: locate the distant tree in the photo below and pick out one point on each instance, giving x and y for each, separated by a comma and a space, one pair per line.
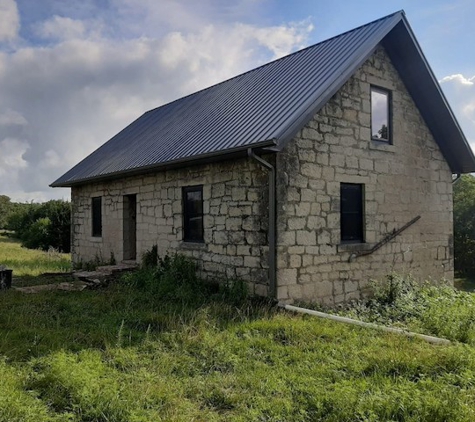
5, 210
464, 225
383, 132
41, 226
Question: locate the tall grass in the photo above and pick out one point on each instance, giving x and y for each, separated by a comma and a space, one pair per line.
160, 348
277, 368
28, 262
437, 310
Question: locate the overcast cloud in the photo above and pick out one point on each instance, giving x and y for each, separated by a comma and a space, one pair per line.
74, 73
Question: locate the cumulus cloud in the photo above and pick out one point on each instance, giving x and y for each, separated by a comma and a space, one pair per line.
61, 28
281, 40
63, 99
460, 91
10, 20
459, 78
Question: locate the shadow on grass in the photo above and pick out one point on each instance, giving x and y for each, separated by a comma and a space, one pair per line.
52, 278
465, 283
33, 325
6, 238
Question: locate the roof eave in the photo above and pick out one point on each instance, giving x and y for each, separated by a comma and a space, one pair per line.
314, 106
402, 47
215, 156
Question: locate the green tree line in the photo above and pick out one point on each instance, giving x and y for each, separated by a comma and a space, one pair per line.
38, 226
464, 225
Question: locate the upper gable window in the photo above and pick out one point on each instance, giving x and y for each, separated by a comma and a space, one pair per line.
380, 114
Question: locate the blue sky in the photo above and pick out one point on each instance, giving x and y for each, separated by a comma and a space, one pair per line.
74, 73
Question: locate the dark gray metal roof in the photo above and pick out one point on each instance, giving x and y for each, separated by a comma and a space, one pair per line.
265, 107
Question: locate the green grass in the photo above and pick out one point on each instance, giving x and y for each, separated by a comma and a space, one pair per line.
28, 262
162, 346
122, 354
441, 311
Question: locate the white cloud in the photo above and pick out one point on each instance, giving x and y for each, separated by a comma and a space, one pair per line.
10, 20
281, 40
12, 163
460, 92
61, 28
61, 101
459, 78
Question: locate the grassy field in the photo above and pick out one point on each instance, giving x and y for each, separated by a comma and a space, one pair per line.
162, 346
27, 262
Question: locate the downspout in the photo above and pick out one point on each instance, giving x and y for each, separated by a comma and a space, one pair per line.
272, 223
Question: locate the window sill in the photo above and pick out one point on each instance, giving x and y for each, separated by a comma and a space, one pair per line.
354, 247
195, 246
96, 239
382, 146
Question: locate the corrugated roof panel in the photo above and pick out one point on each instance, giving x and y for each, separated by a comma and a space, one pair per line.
265, 104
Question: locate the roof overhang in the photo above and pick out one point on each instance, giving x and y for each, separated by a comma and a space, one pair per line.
213, 157
409, 60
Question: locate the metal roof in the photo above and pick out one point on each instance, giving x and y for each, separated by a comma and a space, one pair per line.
265, 107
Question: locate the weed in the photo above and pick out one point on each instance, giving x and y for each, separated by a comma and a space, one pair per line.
98, 261
150, 257
437, 310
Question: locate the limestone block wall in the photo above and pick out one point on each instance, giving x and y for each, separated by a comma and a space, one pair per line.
235, 198
402, 180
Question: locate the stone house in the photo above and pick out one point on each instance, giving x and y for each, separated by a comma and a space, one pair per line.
306, 177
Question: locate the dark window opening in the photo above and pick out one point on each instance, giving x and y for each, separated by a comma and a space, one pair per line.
193, 214
97, 216
351, 212
380, 115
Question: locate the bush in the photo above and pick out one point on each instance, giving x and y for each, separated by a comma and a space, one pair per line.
175, 277
43, 226
38, 236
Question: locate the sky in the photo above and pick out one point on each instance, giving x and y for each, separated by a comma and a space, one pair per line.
74, 73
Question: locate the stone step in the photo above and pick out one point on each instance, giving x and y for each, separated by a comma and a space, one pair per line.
104, 274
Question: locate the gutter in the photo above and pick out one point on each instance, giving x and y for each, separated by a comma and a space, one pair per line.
457, 178
272, 222
204, 158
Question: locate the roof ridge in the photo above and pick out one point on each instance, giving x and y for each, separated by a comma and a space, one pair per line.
279, 59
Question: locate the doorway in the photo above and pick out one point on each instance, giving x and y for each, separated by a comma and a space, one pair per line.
130, 227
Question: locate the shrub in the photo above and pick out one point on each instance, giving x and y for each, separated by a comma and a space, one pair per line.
38, 236
175, 277
41, 226
150, 258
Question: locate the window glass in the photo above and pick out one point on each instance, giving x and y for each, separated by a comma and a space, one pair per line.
193, 214
351, 212
380, 124
97, 216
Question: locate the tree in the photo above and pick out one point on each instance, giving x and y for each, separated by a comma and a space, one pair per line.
464, 225
41, 226
383, 132
5, 210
